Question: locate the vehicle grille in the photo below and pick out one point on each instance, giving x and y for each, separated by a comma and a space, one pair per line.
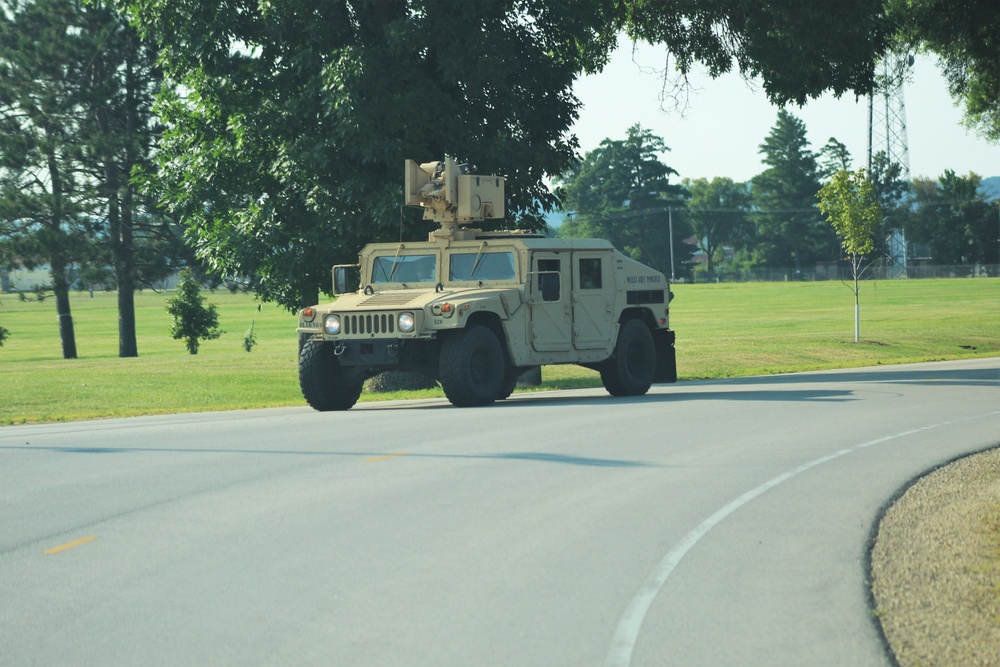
369, 323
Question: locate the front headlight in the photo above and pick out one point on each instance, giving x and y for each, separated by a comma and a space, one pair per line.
332, 324
406, 322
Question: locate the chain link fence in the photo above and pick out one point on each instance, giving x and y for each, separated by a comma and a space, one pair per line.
842, 272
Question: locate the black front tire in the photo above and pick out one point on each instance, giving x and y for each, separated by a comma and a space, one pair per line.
629, 372
325, 384
472, 367
510, 378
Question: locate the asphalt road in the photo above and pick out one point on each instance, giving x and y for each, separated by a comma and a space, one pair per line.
714, 523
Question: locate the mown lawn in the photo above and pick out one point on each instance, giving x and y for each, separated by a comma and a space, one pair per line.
725, 330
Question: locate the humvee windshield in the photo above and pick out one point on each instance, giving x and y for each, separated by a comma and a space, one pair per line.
482, 266
404, 269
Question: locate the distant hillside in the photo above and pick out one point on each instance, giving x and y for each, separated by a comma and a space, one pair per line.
990, 187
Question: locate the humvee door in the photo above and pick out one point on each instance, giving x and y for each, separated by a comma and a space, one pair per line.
550, 302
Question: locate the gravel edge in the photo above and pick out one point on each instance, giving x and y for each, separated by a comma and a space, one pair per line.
933, 560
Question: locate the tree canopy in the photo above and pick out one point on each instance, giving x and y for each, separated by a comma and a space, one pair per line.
288, 122
954, 219
799, 50
789, 226
285, 152
965, 34
719, 214
848, 201
621, 191
76, 90
43, 188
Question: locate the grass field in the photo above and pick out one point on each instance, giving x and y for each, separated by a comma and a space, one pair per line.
725, 330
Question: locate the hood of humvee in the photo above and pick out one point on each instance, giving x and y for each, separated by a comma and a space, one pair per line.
410, 298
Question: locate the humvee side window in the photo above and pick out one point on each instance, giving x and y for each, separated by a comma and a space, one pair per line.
546, 265
590, 273
548, 282
404, 269
481, 266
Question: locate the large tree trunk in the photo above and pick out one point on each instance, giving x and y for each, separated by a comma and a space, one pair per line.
120, 215
60, 285
57, 260
120, 224
124, 239
127, 346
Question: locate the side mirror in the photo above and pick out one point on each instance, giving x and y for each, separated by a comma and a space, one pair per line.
550, 286
341, 279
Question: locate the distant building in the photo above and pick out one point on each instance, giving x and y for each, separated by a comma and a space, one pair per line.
21, 279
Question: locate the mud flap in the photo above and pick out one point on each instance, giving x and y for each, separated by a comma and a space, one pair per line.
666, 356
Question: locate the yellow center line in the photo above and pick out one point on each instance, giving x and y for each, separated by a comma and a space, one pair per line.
375, 459
68, 545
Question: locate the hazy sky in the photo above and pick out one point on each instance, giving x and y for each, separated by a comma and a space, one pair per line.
721, 131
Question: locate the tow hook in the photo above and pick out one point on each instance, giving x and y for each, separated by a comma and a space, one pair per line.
392, 349
340, 348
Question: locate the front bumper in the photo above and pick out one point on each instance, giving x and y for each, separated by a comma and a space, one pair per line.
371, 352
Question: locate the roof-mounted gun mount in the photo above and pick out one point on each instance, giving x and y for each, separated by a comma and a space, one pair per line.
452, 194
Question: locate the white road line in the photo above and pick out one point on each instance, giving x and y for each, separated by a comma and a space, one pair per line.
630, 623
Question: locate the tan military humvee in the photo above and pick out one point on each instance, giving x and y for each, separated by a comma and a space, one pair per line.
473, 310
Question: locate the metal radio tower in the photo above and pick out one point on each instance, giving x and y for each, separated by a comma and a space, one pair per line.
887, 133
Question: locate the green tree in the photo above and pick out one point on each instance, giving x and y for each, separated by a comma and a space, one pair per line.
192, 320
621, 192
790, 229
954, 219
719, 215
76, 87
833, 157
848, 202
289, 122
965, 35
797, 49
118, 133
42, 187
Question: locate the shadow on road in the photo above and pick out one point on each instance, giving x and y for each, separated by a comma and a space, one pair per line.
546, 400
367, 457
908, 375
572, 397
785, 389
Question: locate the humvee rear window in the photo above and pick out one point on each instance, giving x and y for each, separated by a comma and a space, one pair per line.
482, 266
404, 269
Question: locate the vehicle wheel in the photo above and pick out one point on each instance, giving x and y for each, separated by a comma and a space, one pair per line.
325, 384
509, 382
472, 367
629, 372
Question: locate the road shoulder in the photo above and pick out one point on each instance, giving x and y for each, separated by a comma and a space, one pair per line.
935, 566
